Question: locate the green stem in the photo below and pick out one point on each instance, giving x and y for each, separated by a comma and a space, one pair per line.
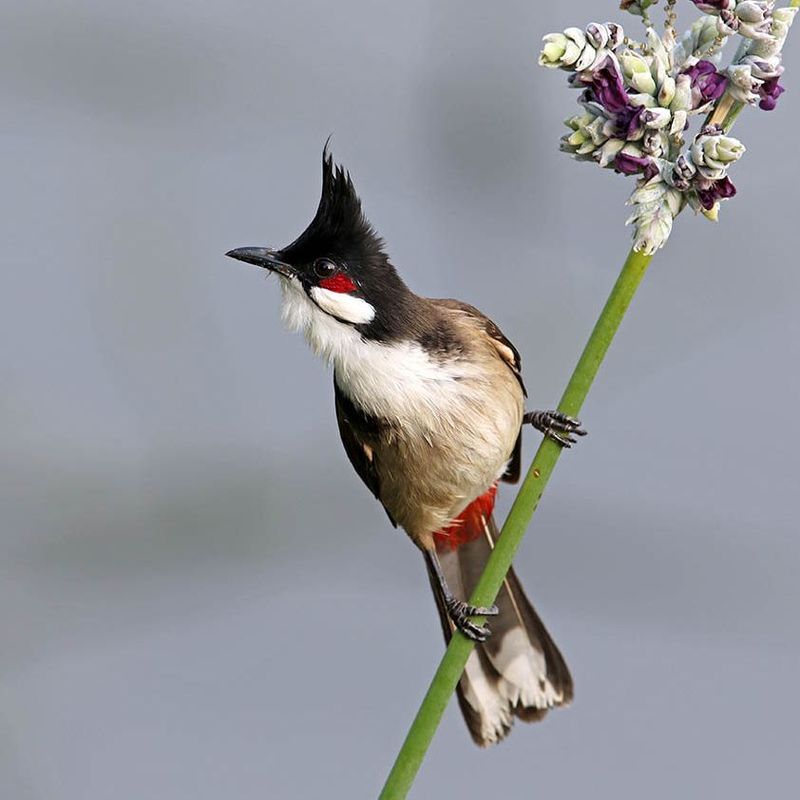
452, 665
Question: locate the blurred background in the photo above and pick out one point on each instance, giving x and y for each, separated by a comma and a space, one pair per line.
198, 598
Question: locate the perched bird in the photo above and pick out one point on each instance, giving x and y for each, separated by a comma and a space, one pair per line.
430, 407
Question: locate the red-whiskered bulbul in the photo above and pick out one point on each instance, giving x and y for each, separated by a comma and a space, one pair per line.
430, 406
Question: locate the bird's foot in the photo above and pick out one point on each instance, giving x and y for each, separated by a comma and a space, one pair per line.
556, 426
460, 612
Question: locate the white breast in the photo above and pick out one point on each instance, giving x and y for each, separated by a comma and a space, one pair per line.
397, 381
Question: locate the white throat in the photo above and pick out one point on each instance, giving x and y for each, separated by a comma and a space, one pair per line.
398, 380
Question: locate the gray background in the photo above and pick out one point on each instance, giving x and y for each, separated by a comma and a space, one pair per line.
198, 599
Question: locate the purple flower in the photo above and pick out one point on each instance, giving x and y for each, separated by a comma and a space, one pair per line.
769, 92
712, 191
707, 84
714, 6
628, 164
628, 123
607, 87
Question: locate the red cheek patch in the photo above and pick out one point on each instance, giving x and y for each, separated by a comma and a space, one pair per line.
338, 283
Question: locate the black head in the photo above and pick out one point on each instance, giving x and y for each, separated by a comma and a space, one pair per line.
340, 253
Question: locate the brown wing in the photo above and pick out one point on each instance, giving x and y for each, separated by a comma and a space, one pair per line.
505, 349
356, 429
509, 354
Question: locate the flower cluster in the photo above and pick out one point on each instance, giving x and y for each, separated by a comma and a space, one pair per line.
637, 101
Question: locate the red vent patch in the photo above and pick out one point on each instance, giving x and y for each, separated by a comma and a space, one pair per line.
468, 525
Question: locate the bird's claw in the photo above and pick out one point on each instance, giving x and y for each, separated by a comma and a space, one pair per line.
559, 427
460, 612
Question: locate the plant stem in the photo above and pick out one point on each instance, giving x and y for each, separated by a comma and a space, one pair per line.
452, 665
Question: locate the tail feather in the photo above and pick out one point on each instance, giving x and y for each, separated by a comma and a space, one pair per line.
518, 671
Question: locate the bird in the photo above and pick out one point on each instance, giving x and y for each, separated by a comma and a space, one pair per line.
430, 406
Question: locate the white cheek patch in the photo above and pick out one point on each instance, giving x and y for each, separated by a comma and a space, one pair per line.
344, 306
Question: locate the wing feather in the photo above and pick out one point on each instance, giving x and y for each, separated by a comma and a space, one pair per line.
357, 431
505, 349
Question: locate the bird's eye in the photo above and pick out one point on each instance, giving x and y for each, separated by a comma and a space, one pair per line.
324, 268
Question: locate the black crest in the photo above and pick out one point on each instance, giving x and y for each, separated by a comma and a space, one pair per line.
339, 227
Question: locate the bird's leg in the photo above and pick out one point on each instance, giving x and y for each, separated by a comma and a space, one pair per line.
458, 610
556, 426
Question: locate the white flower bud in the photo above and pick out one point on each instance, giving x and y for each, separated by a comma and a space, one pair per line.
597, 34
587, 58
682, 173
679, 120
579, 51
616, 35
752, 12
642, 99
727, 23
763, 68
656, 118
695, 41
682, 100
656, 204
743, 85
577, 36
667, 92
755, 19
713, 153
661, 58
782, 19
655, 143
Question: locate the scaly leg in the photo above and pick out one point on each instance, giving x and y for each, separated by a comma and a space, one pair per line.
556, 426
458, 610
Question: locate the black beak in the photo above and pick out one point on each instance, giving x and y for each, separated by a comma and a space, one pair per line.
263, 257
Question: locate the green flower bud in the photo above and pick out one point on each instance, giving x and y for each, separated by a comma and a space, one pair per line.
643, 82
632, 62
608, 152
555, 46
595, 130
